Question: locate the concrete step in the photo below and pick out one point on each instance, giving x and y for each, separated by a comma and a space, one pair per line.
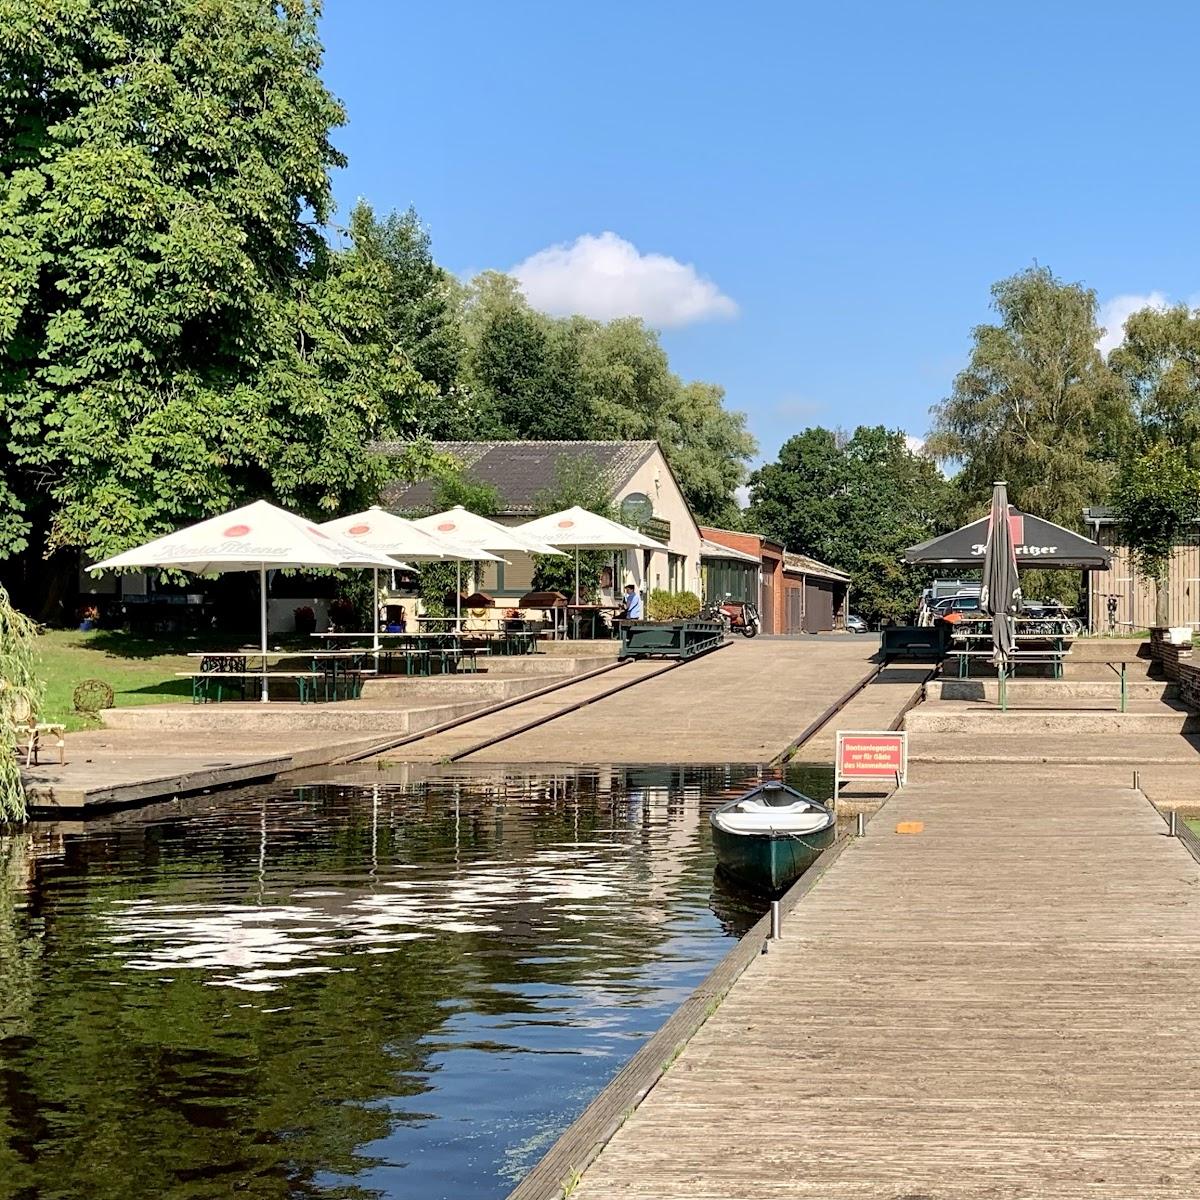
1021, 690
1004, 747
1085, 718
286, 717
526, 665
436, 689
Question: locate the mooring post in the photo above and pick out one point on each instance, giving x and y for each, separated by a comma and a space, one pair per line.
860, 829
776, 921
1172, 818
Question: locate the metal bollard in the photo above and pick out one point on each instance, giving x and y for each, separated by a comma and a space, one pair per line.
1137, 781
776, 921
860, 828
1172, 819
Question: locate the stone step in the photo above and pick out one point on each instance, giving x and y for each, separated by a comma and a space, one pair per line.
1066, 690
952, 718
284, 717
485, 688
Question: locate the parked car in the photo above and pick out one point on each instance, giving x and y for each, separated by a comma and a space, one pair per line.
855, 624
952, 610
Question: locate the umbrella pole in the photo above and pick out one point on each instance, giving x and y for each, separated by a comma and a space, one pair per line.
262, 607
458, 596
578, 597
375, 613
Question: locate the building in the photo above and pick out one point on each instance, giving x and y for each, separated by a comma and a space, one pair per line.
794, 593
818, 595
641, 484
1121, 598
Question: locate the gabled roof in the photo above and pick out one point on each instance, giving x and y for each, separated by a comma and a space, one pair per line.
802, 564
711, 549
519, 471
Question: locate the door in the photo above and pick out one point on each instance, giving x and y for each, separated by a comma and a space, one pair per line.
818, 606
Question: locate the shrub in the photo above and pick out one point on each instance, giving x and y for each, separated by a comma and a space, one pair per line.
672, 606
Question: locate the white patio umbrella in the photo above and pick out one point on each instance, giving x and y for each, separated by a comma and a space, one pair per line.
384, 532
479, 533
576, 528
258, 537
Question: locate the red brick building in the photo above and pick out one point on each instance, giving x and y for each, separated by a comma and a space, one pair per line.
795, 593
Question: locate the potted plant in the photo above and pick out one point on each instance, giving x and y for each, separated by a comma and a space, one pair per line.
89, 617
305, 618
342, 614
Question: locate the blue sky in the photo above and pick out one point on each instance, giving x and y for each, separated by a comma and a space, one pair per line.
849, 179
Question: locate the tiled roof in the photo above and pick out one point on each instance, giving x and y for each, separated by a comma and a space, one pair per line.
801, 564
519, 471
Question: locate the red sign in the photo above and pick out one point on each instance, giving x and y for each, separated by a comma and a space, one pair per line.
236, 531
870, 755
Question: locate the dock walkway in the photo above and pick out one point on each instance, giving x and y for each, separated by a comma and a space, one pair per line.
1002, 1005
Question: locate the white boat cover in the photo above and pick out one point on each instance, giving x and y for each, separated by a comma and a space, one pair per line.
754, 816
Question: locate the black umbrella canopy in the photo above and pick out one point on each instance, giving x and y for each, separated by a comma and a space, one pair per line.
1039, 543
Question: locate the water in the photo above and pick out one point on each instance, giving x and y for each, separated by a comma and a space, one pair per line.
387, 987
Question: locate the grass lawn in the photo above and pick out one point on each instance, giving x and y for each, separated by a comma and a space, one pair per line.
140, 670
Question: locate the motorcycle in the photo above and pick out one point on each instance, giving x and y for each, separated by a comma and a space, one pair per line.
736, 616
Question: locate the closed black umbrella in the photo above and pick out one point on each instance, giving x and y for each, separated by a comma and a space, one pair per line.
1000, 594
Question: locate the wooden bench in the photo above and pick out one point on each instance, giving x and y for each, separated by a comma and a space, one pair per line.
201, 679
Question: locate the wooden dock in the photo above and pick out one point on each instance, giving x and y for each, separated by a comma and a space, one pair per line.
1005, 1004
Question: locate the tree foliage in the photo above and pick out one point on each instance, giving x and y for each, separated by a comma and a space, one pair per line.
20, 695
855, 503
175, 335
1157, 499
1037, 405
578, 481
1159, 362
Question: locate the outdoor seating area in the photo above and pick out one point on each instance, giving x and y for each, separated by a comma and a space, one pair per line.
260, 538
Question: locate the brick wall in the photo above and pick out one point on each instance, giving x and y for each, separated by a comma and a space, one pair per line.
1175, 663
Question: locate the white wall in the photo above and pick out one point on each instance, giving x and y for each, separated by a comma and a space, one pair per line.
654, 479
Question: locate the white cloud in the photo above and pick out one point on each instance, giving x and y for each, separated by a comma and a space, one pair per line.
605, 277
915, 444
742, 495
1115, 312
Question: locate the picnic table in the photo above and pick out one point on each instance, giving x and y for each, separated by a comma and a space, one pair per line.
234, 670
419, 649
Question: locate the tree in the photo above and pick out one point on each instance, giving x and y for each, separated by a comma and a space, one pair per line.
1157, 499
856, 503
1159, 361
1037, 405
421, 312
574, 379
175, 337
20, 693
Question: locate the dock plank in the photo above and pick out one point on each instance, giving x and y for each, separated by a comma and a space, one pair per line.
992, 1008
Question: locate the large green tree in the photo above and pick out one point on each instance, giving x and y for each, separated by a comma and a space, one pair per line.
854, 502
1037, 405
175, 336
1159, 361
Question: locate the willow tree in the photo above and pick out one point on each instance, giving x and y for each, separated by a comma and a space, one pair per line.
20, 692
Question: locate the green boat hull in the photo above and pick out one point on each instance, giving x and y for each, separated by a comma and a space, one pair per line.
767, 863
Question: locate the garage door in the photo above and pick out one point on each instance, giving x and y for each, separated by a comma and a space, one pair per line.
818, 606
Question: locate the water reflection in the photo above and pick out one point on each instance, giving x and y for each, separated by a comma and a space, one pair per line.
394, 986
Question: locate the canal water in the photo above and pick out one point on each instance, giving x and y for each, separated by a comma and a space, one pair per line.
377, 986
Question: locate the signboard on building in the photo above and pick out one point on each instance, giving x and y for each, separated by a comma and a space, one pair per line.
657, 528
870, 754
636, 508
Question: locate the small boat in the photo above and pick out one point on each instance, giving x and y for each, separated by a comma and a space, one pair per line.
769, 837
